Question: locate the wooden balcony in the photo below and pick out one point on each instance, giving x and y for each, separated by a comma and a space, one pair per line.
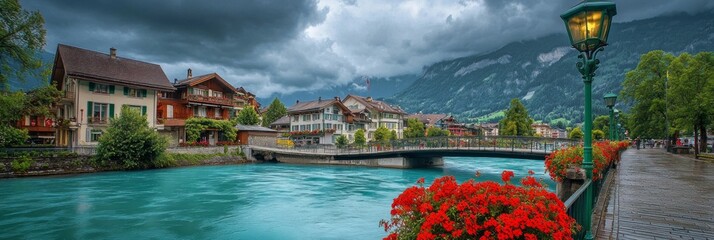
209, 100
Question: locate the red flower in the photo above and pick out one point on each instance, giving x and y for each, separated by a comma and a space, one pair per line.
506, 176
420, 181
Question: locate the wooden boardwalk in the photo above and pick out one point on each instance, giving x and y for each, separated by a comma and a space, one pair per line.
657, 195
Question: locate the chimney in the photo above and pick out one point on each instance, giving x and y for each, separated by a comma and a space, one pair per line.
189, 74
337, 98
113, 53
319, 99
369, 99
175, 81
297, 101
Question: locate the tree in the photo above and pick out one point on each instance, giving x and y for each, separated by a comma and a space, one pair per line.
644, 89
436, 132
415, 128
130, 142
576, 133
516, 122
602, 123
691, 94
22, 35
14, 105
247, 116
382, 135
360, 140
598, 134
393, 135
275, 111
341, 141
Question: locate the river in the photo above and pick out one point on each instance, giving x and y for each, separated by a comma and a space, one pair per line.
254, 201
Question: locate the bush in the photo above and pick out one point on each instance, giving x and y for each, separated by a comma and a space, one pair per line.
341, 141
130, 142
471, 210
21, 164
604, 154
10, 136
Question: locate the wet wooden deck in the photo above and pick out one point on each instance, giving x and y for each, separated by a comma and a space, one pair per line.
657, 195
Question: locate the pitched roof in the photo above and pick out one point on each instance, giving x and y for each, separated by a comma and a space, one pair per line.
91, 65
429, 119
285, 120
193, 81
316, 105
253, 128
377, 105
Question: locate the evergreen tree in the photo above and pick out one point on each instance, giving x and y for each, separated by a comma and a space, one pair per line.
341, 141
248, 116
130, 142
516, 122
415, 129
275, 111
360, 140
22, 35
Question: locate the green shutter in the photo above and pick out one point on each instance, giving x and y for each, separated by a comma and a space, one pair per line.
143, 92
111, 89
89, 109
111, 110
143, 110
91, 87
126, 91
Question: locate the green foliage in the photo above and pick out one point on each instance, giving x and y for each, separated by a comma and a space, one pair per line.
598, 134
602, 123
39, 101
275, 111
11, 107
436, 132
21, 164
517, 122
10, 136
393, 135
576, 133
22, 34
382, 135
248, 116
341, 141
183, 159
489, 118
360, 139
415, 128
194, 127
130, 142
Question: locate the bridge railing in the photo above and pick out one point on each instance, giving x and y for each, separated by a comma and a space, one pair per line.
483, 143
576, 208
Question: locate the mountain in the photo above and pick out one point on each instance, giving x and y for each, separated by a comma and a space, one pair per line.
32, 80
542, 73
378, 88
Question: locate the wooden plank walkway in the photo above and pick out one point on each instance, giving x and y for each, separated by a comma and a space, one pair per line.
657, 195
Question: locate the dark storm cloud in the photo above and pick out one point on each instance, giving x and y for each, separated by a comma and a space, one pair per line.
292, 45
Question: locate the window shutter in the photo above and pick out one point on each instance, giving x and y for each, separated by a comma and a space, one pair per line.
143, 92
90, 104
91, 87
111, 110
126, 91
89, 135
143, 110
111, 89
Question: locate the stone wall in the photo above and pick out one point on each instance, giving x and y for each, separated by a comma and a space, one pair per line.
41, 166
202, 150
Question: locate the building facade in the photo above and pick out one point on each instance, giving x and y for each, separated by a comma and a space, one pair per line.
376, 114
542, 129
318, 122
95, 87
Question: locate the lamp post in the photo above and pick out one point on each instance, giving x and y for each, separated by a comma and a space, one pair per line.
616, 123
588, 25
610, 99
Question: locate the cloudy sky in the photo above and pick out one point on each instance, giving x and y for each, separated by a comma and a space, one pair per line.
292, 45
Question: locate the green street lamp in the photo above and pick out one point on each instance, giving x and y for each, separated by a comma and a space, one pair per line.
619, 127
588, 25
610, 99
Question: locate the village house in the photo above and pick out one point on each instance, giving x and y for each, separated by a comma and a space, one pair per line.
376, 114
318, 122
40, 129
429, 120
205, 96
95, 86
490, 129
542, 129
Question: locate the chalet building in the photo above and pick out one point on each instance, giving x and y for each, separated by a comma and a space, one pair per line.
205, 96
490, 129
454, 127
95, 86
558, 133
40, 129
542, 129
282, 125
429, 120
318, 122
376, 114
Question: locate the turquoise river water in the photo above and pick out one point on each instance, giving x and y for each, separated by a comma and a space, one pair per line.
254, 201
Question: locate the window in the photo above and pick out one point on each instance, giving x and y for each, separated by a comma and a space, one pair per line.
169, 111
296, 118
355, 106
199, 111
217, 94
303, 128
306, 117
316, 116
327, 116
133, 92
101, 88
328, 125
202, 92
100, 113
335, 110
94, 135
295, 128
217, 112
316, 127
135, 108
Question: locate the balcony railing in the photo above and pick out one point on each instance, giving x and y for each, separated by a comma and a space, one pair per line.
207, 99
97, 120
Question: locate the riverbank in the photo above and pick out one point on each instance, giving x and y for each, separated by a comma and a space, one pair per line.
63, 163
